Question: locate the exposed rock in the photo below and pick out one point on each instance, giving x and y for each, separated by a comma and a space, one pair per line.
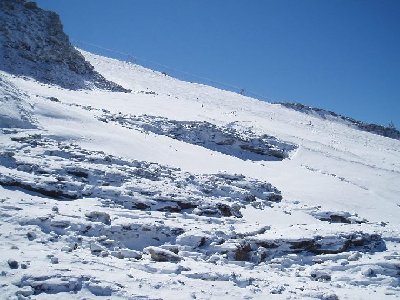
326, 114
338, 217
320, 276
96, 248
31, 235
242, 252
54, 260
329, 297
161, 255
33, 43
340, 243
229, 140
60, 223
98, 216
13, 264
368, 272
51, 284
25, 291
90, 175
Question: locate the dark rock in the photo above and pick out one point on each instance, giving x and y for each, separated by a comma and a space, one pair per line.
242, 252
275, 197
186, 205
54, 260
29, 186
54, 99
320, 276
78, 173
229, 210
140, 205
31, 235
13, 264
35, 45
98, 216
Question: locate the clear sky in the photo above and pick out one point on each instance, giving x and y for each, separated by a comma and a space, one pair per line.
341, 55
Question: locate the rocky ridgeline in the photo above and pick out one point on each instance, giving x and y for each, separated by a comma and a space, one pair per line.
326, 114
33, 44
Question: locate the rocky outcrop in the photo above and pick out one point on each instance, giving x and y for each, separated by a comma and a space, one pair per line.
230, 139
389, 132
33, 44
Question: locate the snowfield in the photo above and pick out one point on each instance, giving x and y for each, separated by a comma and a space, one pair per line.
178, 190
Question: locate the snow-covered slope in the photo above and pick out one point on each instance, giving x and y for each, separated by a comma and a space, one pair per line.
179, 190
15, 108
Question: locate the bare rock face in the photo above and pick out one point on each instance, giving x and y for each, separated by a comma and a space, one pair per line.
33, 44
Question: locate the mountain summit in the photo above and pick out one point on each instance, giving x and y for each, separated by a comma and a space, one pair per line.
33, 44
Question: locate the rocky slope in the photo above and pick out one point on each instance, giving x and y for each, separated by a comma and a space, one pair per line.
33, 43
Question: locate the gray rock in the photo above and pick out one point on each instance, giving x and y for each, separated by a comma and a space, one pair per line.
24, 266
25, 291
330, 297
54, 260
368, 272
13, 264
31, 235
161, 255
96, 248
320, 276
98, 216
35, 45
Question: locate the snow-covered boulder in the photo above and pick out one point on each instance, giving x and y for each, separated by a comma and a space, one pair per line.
161, 255
99, 216
191, 239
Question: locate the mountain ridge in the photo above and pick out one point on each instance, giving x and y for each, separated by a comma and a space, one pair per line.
385, 131
34, 44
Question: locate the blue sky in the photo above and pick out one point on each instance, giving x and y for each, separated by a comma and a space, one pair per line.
341, 55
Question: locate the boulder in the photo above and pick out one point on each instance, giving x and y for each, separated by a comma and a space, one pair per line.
161, 255
98, 216
13, 264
